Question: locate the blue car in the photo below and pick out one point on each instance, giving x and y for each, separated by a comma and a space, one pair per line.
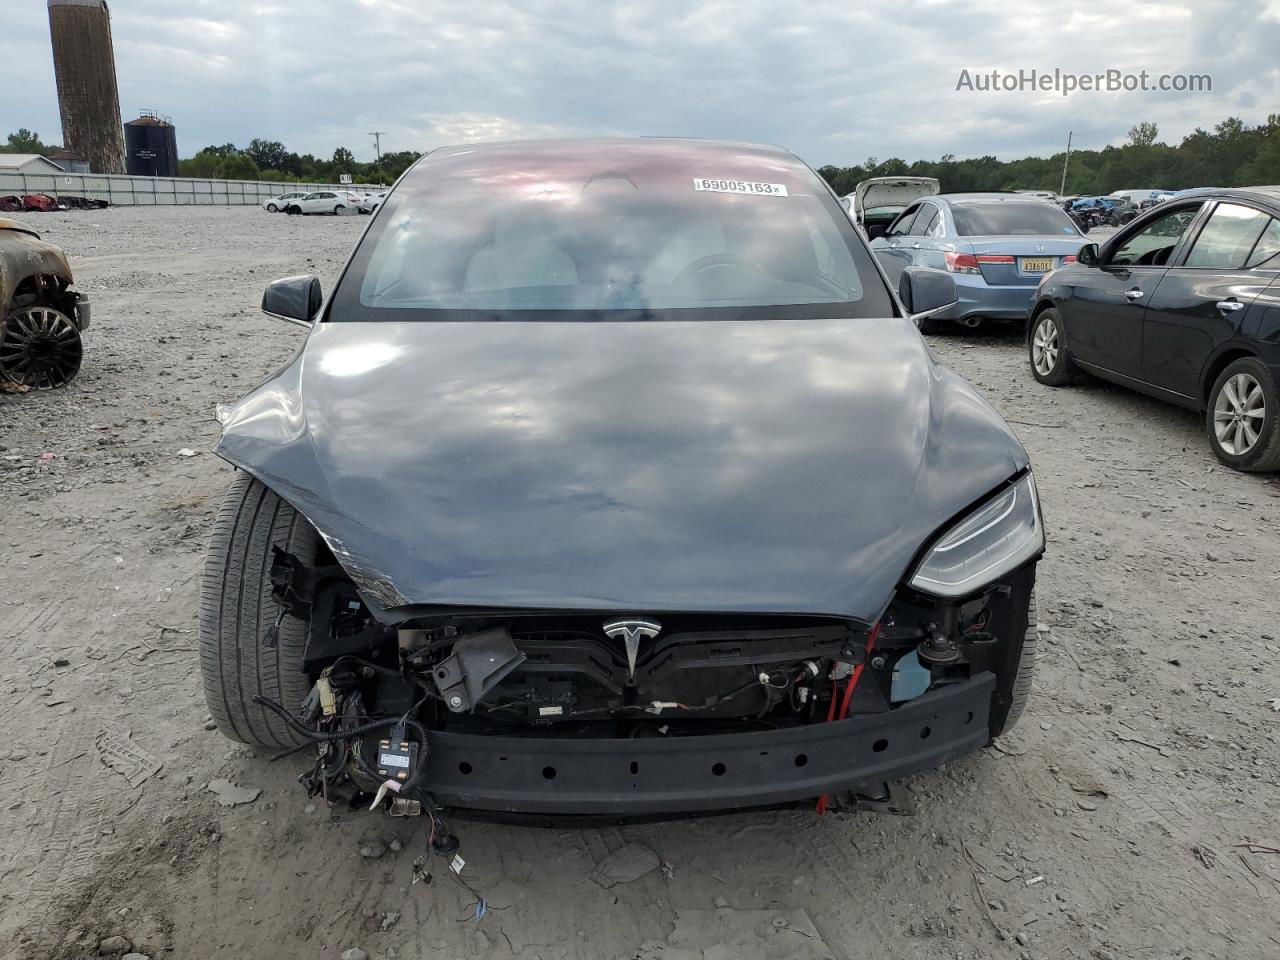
996, 245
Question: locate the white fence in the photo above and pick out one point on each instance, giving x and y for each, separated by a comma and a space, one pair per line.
150, 191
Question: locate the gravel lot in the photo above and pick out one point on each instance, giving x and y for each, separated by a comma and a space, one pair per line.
1132, 815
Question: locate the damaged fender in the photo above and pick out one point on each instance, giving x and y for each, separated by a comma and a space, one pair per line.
23, 256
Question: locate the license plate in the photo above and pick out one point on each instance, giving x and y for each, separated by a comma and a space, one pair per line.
1037, 264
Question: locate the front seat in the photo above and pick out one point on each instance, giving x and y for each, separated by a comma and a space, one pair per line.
521, 255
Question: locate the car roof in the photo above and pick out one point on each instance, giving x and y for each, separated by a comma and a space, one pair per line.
987, 198
527, 155
1269, 195
548, 144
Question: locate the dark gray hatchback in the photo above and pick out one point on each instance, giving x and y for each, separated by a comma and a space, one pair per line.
613, 478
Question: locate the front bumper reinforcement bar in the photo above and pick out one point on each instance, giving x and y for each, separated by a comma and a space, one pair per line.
673, 775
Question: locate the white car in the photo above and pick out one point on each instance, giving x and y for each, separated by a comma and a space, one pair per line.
876, 203
276, 204
325, 201
372, 201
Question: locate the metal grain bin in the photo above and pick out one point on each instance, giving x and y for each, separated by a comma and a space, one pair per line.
151, 146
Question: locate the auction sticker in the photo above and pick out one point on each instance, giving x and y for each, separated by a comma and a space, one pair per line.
740, 186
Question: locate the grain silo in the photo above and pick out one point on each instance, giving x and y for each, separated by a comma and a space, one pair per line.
151, 146
85, 67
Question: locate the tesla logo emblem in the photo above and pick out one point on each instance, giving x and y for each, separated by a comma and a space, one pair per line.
631, 632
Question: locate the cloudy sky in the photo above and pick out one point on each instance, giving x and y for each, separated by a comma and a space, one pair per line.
835, 82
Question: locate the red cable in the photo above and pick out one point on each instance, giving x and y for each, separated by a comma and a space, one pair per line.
848, 696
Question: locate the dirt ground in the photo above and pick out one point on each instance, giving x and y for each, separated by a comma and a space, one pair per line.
1133, 814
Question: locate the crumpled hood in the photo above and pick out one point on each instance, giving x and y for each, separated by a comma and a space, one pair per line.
756, 466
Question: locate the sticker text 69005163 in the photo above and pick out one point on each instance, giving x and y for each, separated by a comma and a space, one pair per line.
740, 186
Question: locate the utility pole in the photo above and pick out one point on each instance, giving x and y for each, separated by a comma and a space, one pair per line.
377, 142
1063, 189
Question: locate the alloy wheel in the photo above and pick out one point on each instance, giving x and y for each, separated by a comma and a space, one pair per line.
39, 348
1238, 414
1044, 347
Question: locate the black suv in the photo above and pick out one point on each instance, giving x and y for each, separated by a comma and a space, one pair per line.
1182, 304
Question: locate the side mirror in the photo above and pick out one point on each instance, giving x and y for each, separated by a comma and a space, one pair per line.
293, 299
1088, 255
925, 291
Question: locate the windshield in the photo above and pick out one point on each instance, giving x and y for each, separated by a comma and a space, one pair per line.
1000, 218
607, 231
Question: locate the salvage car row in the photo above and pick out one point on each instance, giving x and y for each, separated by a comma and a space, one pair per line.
335, 202
43, 203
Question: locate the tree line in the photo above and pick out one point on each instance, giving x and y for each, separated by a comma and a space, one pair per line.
260, 160
271, 160
1233, 155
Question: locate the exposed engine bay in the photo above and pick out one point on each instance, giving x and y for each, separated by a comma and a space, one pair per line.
385, 696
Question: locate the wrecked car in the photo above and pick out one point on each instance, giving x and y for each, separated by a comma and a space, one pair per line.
41, 316
42, 203
85, 203
613, 478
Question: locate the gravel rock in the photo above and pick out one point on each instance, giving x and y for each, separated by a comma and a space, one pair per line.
229, 795
114, 946
354, 953
374, 850
625, 864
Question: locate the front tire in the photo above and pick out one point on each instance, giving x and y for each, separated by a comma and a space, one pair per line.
1242, 414
1051, 360
272, 208
237, 609
1025, 676
40, 348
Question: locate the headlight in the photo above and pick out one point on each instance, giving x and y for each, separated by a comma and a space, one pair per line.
1001, 535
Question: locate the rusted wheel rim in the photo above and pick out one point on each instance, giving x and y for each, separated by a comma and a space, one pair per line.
39, 348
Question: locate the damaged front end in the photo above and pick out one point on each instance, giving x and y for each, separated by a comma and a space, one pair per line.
41, 316
589, 713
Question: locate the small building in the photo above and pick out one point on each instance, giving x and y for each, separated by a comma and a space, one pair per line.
70, 161
28, 163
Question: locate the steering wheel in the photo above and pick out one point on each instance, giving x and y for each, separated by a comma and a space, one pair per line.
715, 260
